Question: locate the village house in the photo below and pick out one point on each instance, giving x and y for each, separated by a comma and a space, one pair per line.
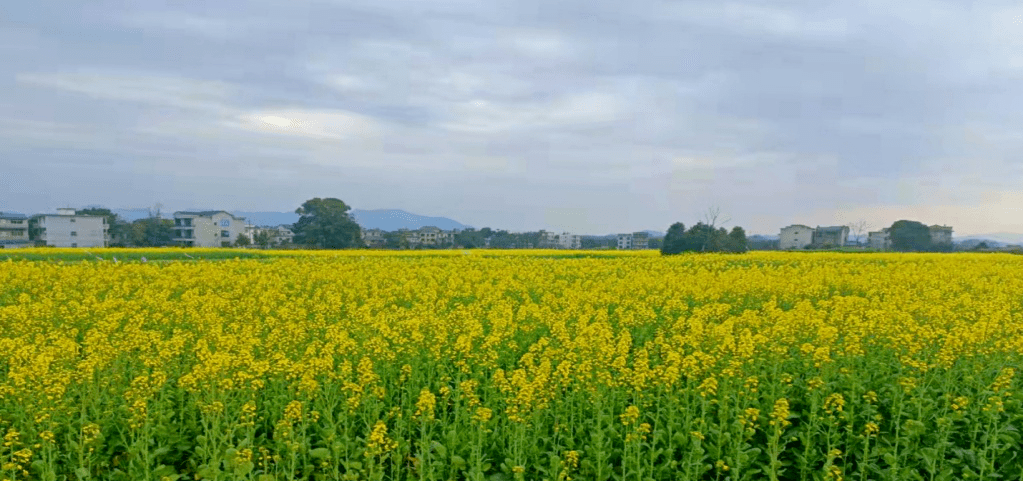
209, 228
940, 234
66, 229
569, 241
13, 230
880, 240
373, 237
834, 236
796, 236
278, 235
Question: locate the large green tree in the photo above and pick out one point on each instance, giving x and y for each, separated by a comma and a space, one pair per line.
673, 239
325, 223
909, 235
151, 232
737, 240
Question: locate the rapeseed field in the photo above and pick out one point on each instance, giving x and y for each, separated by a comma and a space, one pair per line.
509, 365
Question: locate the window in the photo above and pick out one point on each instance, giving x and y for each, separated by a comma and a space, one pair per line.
74, 234
17, 222
225, 244
225, 223
72, 219
225, 233
74, 244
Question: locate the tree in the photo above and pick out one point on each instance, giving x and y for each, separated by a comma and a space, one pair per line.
325, 223
737, 240
151, 232
242, 241
908, 235
858, 228
711, 218
262, 238
673, 239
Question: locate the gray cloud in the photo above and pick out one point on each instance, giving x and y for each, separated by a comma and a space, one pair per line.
591, 116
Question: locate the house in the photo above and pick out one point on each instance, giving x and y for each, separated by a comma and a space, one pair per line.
834, 236
640, 240
569, 241
880, 240
941, 234
13, 230
548, 240
373, 237
67, 229
208, 228
429, 236
796, 236
624, 242
278, 235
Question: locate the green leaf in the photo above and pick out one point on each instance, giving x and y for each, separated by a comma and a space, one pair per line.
82, 473
320, 453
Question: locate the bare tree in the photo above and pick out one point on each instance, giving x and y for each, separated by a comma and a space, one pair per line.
858, 228
712, 217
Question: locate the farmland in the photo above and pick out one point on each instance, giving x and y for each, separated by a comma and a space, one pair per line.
509, 365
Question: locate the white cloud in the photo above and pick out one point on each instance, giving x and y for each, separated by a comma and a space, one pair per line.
135, 87
331, 125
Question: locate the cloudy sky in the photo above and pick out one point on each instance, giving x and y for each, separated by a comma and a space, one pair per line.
590, 116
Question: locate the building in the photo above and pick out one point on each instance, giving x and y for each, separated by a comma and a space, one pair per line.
941, 234
279, 235
429, 236
796, 236
373, 237
66, 229
624, 242
640, 240
834, 236
569, 241
880, 240
208, 228
13, 230
548, 240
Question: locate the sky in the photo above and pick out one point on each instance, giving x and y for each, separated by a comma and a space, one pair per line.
590, 116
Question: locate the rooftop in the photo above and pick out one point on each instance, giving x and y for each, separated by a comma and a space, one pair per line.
12, 215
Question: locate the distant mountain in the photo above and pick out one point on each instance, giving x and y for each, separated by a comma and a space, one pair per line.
394, 219
999, 237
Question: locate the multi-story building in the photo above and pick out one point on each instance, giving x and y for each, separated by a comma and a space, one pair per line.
547, 240
429, 236
279, 235
624, 242
941, 234
66, 229
569, 241
209, 228
834, 236
640, 240
13, 230
373, 237
880, 240
795, 236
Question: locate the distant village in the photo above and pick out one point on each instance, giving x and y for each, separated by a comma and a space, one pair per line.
217, 228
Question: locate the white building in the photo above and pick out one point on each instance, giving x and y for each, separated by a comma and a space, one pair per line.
373, 237
796, 236
624, 242
65, 229
279, 235
941, 234
13, 230
569, 241
429, 235
880, 240
210, 228
640, 240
